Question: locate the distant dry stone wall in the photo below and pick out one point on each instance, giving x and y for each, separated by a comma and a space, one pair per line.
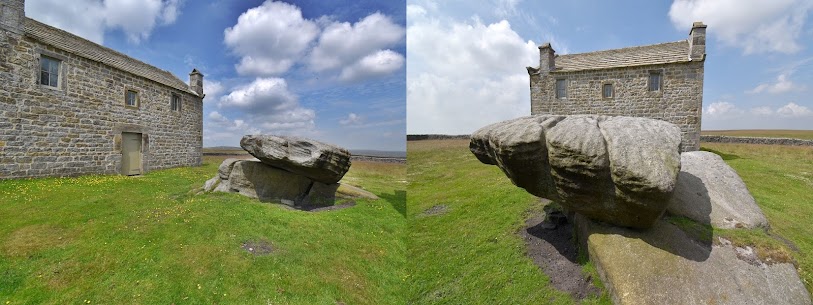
378, 159
418, 137
756, 140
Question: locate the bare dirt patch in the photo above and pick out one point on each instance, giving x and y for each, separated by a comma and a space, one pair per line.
258, 248
29, 240
552, 247
439, 209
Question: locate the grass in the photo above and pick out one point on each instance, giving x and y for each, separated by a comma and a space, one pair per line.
781, 180
767, 133
472, 253
148, 240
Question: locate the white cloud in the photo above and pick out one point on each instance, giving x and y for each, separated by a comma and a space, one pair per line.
794, 110
212, 89
721, 109
270, 38
217, 117
782, 84
342, 44
380, 63
756, 26
92, 18
464, 75
415, 11
269, 106
351, 119
762, 111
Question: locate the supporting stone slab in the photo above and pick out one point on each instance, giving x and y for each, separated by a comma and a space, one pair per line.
663, 265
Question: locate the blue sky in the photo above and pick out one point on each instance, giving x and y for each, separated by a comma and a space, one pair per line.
329, 70
467, 59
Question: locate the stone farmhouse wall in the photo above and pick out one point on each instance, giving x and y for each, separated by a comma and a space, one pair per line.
77, 128
679, 102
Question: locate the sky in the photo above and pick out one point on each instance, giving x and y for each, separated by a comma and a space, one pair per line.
333, 71
466, 59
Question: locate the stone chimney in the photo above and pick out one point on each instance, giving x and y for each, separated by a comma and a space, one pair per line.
196, 82
12, 15
697, 42
547, 61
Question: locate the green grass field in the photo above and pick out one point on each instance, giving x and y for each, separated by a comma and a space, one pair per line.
767, 133
472, 254
148, 240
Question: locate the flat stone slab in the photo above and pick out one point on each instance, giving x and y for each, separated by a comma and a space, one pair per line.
318, 161
710, 192
663, 265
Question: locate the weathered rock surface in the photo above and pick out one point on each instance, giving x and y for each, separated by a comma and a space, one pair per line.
710, 192
316, 160
663, 265
619, 170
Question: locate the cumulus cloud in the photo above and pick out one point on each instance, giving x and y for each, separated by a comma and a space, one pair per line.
781, 85
464, 75
269, 105
794, 110
721, 109
270, 38
756, 26
351, 119
342, 44
380, 63
91, 18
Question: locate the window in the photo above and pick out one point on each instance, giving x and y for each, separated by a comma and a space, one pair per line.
49, 71
561, 88
131, 99
655, 81
175, 103
607, 91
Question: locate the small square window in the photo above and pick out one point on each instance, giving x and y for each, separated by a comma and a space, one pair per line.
49, 71
131, 99
175, 103
655, 81
607, 91
561, 88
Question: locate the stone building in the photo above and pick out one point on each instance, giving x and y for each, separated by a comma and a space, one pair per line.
69, 106
662, 81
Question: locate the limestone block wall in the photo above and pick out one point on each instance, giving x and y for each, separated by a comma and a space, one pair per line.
76, 129
680, 100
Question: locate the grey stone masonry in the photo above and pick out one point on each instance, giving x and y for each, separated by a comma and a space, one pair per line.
677, 98
76, 127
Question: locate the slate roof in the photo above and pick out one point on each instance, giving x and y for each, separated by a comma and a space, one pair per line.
90, 50
670, 52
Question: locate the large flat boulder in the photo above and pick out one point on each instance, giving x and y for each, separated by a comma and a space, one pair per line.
270, 184
710, 192
620, 170
318, 161
664, 265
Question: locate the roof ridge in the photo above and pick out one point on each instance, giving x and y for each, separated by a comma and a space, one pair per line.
113, 52
625, 48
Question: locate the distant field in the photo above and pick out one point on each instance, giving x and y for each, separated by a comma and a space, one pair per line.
767, 133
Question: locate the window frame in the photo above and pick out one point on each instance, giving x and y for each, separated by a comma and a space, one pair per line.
603, 90
173, 105
61, 83
556, 89
649, 82
137, 98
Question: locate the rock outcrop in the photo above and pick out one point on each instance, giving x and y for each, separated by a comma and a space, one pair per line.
710, 192
620, 170
316, 160
293, 171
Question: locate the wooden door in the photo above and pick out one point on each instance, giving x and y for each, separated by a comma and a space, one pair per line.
130, 153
